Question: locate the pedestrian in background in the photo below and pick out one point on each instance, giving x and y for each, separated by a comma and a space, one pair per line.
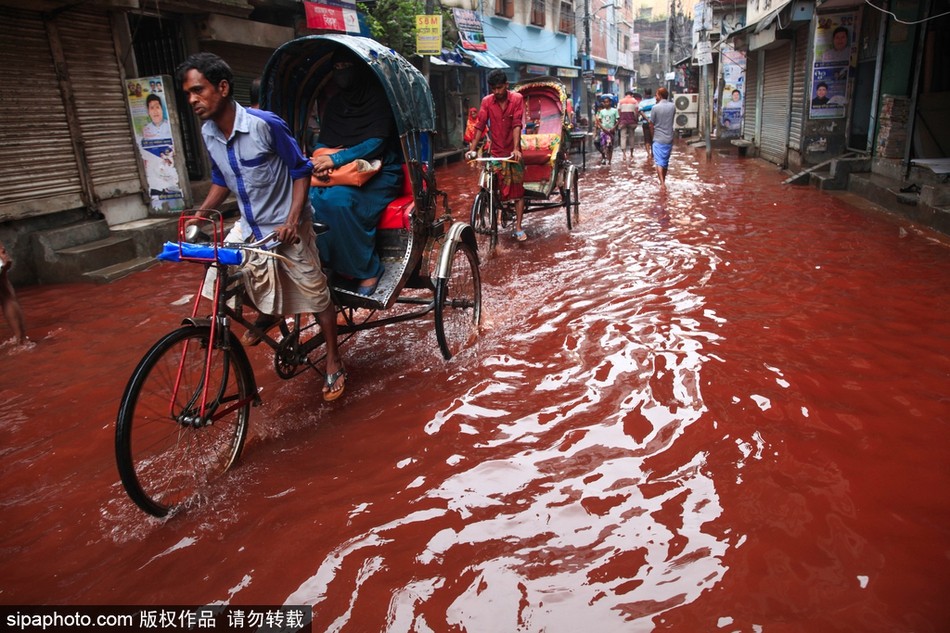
11, 305
606, 121
628, 122
661, 124
645, 106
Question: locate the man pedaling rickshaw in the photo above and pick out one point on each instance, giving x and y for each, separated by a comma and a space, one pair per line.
502, 112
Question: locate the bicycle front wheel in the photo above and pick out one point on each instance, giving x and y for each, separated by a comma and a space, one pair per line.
484, 219
182, 419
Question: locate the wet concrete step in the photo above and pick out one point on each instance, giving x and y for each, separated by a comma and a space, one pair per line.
120, 270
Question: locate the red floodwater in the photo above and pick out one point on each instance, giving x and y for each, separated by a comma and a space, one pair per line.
720, 408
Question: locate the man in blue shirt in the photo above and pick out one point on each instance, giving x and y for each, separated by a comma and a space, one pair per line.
254, 155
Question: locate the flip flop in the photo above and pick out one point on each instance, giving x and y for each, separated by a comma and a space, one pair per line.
330, 382
521, 236
367, 291
265, 323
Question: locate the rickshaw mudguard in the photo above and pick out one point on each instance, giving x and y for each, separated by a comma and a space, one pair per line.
458, 232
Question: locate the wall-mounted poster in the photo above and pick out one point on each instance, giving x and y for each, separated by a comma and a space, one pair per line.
733, 65
150, 106
833, 55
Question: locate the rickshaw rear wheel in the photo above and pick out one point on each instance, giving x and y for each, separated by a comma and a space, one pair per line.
458, 297
484, 219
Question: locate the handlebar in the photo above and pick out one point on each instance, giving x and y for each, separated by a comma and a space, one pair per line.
500, 159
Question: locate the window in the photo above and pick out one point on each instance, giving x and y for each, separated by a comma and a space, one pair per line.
537, 12
566, 21
505, 8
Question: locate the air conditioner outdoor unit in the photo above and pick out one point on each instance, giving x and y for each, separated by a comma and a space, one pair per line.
686, 102
686, 121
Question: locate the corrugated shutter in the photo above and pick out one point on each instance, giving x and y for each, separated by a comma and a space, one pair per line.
751, 95
775, 105
798, 88
38, 171
101, 107
246, 62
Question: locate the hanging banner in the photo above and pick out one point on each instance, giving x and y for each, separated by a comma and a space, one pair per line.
152, 119
332, 18
471, 34
732, 64
833, 53
429, 34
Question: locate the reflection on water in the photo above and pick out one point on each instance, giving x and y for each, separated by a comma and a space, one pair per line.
690, 413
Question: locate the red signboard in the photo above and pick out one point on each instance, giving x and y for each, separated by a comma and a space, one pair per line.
330, 18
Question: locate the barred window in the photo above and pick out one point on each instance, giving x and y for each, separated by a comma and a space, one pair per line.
566, 21
537, 12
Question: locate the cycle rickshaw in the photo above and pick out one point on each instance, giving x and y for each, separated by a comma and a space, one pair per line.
183, 416
550, 178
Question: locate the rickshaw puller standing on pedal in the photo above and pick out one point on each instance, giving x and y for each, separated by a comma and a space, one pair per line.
253, 153
502, 112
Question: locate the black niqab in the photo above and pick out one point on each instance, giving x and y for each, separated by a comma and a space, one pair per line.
358, 113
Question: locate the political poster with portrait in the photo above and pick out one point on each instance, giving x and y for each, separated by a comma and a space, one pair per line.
151, 103
834, 53
733, 67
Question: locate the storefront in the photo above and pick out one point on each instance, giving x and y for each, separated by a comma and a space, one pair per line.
67, 139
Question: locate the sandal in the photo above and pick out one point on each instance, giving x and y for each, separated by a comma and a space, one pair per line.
368, 290
263, 323
520, 235
330, 381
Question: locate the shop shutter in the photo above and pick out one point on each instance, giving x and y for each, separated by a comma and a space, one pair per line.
775, 104
38, 170
751, 95
101, 105
798, 88
246, 62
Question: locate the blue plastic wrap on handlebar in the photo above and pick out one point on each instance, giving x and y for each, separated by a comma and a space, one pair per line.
176, 251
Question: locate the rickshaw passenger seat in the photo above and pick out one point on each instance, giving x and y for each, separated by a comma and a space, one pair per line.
539, 149
396, 215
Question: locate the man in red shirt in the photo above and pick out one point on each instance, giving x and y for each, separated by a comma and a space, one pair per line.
502, 112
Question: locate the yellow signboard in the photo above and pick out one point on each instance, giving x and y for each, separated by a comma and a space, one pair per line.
429, 34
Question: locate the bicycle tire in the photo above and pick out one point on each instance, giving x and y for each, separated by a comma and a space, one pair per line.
165, 455
484, 220
458, 301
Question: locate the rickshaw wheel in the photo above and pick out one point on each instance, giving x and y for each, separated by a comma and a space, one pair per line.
484, 219
572, 203
458, 297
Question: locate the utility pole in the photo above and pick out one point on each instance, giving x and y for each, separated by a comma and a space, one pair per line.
588, 79
666, 45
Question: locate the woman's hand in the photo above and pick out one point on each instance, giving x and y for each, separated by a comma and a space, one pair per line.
322, 165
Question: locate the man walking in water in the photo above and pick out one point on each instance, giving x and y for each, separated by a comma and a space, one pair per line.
661, 124
629, 119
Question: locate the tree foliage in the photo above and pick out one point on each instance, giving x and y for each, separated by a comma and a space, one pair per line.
393, 23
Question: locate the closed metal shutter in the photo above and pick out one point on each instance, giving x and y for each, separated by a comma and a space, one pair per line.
751, 95
101, 107
246, 62
797, 120
775, 104
38, 169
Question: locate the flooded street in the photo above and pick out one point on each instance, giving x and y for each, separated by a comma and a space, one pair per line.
724, 407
